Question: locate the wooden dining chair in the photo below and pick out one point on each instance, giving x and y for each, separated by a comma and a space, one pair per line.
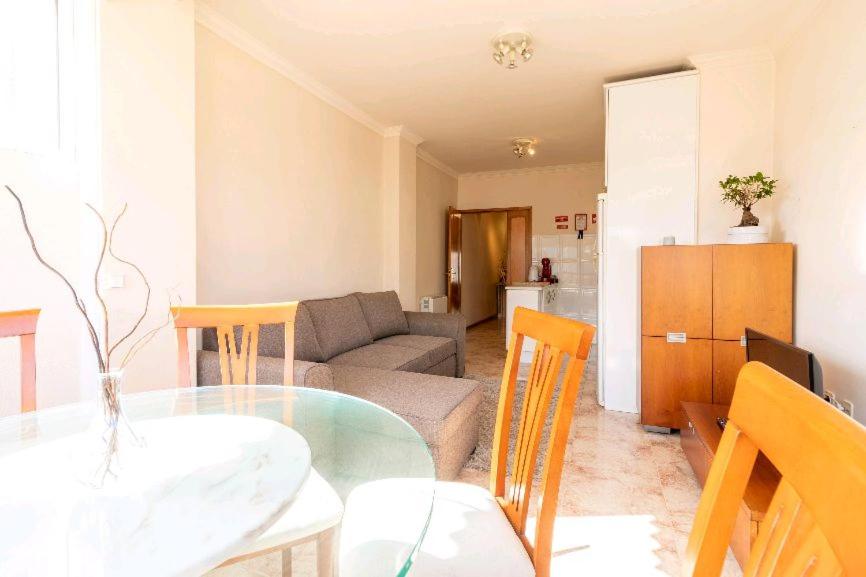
316, 511
23, 324
816, 523
475, 531
237, 359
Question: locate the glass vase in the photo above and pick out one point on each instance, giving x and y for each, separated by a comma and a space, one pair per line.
112, 436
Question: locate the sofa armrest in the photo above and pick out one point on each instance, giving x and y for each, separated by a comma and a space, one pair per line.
441, 325
269, 371
313, 375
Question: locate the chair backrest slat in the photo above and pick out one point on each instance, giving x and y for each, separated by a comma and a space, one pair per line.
238, 360
556, 339
815, 523
22, 324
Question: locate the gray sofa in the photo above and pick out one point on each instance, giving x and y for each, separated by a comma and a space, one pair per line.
365, 345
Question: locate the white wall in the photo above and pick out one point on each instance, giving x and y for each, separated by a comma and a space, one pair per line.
49, 187
436, 191
484, 240
53, 185
735, 136
551, 191
289, 188
128, 136
820, 148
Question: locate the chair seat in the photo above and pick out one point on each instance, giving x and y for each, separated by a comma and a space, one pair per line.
316, 508
468, 535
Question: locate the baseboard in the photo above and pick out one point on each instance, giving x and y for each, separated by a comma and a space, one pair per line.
484, 320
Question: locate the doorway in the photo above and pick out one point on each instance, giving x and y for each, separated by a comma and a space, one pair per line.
487, 249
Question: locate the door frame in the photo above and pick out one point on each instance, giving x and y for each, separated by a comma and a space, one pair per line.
454, 256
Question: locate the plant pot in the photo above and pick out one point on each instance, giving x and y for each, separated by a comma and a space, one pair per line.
748, 235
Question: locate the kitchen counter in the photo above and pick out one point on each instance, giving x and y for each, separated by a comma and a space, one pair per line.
528, 285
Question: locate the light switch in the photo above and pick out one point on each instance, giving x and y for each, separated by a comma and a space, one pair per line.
114, 281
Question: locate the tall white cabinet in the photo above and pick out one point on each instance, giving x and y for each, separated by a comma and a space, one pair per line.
651, 147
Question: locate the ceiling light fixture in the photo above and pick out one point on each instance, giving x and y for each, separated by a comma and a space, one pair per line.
522, 147
510, 46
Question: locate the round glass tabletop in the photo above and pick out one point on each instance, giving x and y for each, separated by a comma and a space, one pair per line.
360, 449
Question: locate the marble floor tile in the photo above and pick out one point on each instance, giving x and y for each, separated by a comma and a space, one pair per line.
627, 498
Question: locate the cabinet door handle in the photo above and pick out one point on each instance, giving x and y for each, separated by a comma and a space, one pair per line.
676, 337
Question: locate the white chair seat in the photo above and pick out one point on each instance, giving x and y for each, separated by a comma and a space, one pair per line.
316, 508
468, 535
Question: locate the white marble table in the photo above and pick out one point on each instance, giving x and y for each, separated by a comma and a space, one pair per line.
195, 502
200, 491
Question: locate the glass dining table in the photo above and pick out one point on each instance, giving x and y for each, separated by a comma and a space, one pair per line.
363, 451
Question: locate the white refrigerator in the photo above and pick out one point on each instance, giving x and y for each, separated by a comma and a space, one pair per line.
651, 143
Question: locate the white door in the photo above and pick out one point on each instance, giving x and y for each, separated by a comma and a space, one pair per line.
600, 334
651, 172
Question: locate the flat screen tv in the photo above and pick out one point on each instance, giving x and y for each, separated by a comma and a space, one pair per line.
795, 363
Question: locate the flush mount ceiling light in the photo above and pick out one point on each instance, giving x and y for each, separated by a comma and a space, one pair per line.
523, 147
510, 46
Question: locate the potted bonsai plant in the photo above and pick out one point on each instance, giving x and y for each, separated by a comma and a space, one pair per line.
744, 192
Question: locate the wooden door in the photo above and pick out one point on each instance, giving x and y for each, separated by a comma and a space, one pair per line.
455, 253
728, 358
672, 373
519, 243
753, 286
677, 291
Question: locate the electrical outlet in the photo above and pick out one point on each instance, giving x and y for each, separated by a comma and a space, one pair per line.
848, 408
845, 406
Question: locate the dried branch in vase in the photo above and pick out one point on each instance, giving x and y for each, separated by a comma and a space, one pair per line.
109, 394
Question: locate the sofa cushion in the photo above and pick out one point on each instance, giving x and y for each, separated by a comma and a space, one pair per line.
437, 348
339, 324
387, 357
384, 314
435, 406
307, 346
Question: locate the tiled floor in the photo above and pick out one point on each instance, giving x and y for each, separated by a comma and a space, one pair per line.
627, 497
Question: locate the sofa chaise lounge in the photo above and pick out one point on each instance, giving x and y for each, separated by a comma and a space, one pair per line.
365, 345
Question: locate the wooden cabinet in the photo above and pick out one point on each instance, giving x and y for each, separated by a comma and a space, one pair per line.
684, 271
728, 358
672, 373
711, 293
753, 286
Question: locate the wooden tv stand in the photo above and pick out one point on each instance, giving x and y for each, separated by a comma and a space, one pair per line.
700, 440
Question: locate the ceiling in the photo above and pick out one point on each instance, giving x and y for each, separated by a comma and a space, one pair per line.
427, 65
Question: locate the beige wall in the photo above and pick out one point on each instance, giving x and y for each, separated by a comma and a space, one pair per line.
289, 188
148, 161
736, 134
484, 244
436, 191
820, 150
551, 191
399, 216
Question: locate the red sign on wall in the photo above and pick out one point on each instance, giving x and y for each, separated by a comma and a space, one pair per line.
562, 218
562, 226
